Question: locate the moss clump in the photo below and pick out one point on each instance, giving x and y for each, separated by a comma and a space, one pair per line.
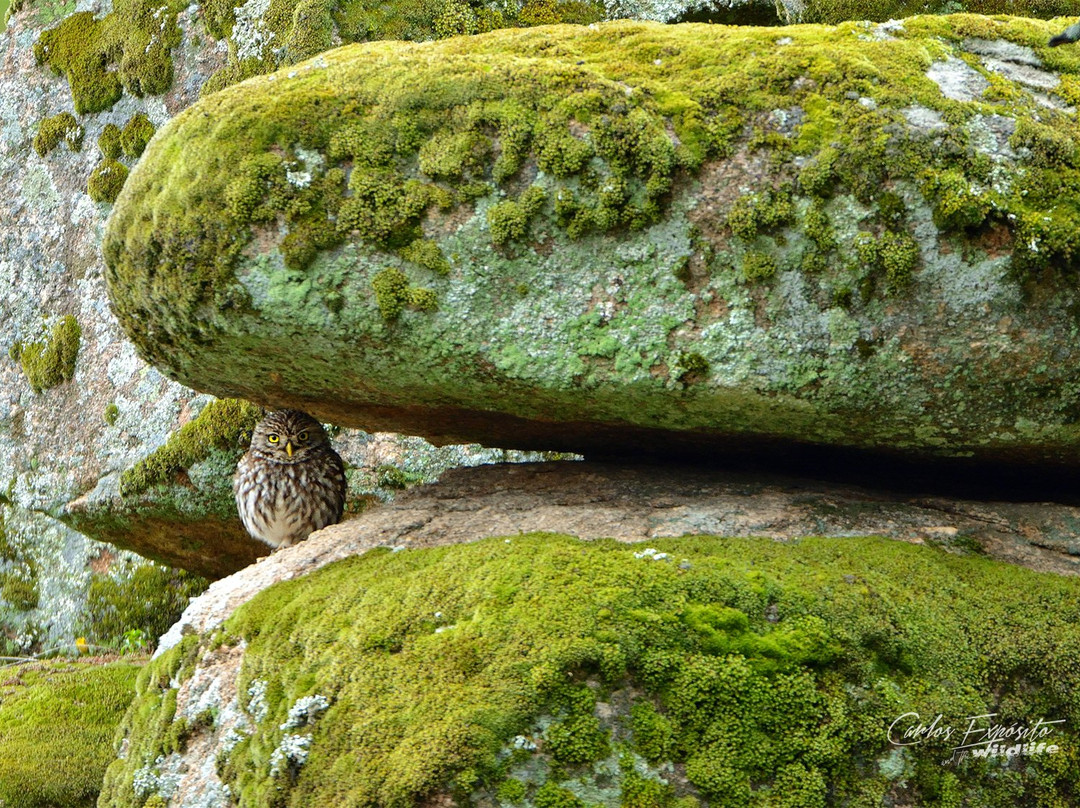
106, 180
550, 795
509, 220
148, 598
691, 367
512, 791
224, 425
577, 740
426, 253
899, 254
959, 204
393, 294
50, 363
136, 134
757, 266
59, 127
753, 214
111, 414
109, 142
127, 49
764, 668
20, 588
57, 722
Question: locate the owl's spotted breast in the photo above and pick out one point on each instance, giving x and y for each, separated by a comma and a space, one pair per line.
290, 482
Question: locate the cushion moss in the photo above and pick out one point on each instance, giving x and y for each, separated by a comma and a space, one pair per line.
765, 668
109, 142
59, 127
106, 180
51, 363
135, 135
127, 49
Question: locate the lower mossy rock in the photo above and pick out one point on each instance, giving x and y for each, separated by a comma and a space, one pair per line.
540, 670
57, 722
627, 237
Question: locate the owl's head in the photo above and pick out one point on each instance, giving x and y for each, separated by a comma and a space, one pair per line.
287, 436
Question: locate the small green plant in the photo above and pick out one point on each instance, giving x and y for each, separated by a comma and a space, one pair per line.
134, 641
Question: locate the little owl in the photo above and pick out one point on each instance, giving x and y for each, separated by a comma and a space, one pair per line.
291, 481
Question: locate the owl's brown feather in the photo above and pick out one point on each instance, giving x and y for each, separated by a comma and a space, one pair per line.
291, 481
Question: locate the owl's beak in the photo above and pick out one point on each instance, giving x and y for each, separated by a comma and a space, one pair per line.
288, 447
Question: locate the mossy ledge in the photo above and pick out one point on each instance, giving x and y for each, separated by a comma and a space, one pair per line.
222, 426
571, 673
513, 238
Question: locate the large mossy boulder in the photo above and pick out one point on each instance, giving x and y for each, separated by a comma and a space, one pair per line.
633, 237
540, 670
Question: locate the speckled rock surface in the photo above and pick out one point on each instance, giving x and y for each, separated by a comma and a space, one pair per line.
726, 241
599, 500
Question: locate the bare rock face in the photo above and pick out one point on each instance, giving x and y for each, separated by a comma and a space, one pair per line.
718, 243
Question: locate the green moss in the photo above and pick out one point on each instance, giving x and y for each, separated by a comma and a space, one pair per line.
388, 476
752, 214
899, 254
426, 253
393, 294
509, 220
57, 722
136, 134
758, 266
957, 203
127, 49
644, 792
654, 736
691, 367
20, 588
59, 127
51, 363
109, 142
148, 598
223, 425
550, 795
111, 414
310, 27
576, 740
148, 724
511, 791
106, 180
769, 670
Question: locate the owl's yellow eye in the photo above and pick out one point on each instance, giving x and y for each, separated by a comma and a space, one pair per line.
272, 438
302, 437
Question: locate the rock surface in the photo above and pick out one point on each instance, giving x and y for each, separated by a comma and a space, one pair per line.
725, 240
641, 503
